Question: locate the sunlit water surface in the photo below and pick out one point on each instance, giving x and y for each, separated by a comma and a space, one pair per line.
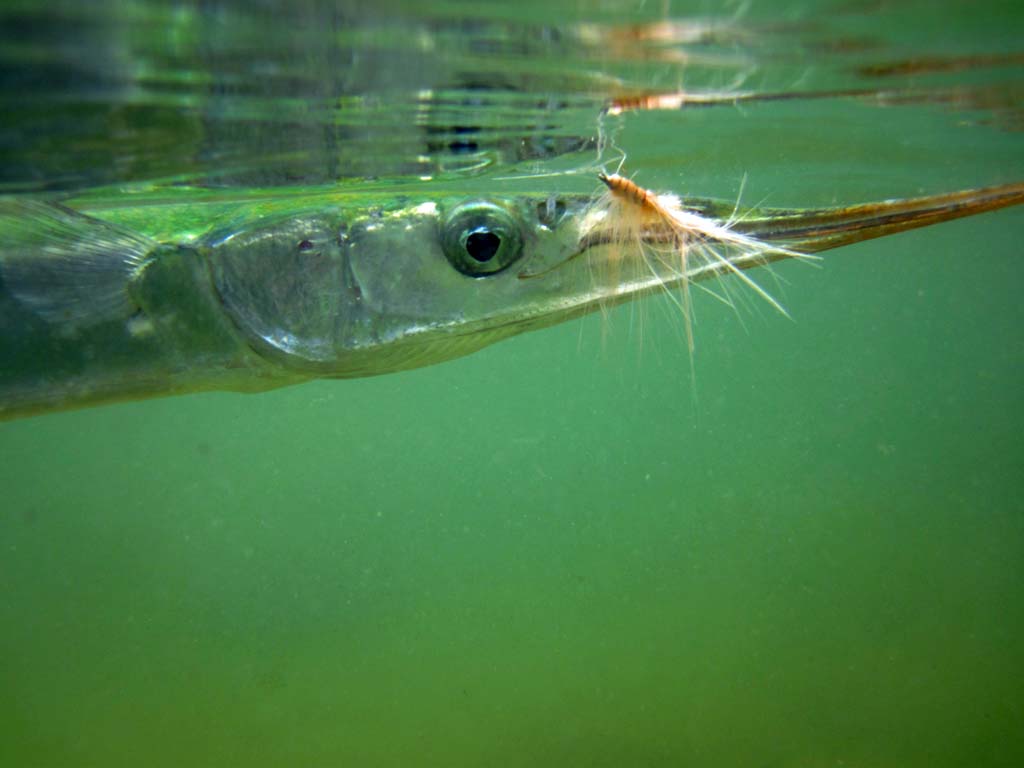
564, 550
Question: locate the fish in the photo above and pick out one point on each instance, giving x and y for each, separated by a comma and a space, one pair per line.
118, 298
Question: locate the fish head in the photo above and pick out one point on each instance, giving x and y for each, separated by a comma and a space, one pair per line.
359, 293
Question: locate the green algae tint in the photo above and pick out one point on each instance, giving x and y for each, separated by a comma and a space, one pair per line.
552, 552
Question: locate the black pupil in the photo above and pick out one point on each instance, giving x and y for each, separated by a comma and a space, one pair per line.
482, 245
305, 245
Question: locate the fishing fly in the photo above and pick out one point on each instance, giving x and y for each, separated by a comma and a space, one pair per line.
659, 236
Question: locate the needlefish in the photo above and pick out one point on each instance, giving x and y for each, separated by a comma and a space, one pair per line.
170, 293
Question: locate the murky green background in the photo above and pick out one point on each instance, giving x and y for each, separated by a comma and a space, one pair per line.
554, 552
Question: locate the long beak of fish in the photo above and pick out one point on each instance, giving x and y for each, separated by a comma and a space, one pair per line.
814, 230
820, 229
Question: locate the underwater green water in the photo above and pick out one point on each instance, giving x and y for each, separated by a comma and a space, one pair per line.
565, 549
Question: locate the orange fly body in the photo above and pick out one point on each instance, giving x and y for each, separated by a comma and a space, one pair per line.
628, 190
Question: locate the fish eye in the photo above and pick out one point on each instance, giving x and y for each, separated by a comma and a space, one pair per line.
480, 238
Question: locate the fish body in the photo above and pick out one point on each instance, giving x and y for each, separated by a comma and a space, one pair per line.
111, 305
107, 301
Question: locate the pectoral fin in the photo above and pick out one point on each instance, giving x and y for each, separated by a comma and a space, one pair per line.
66, 267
